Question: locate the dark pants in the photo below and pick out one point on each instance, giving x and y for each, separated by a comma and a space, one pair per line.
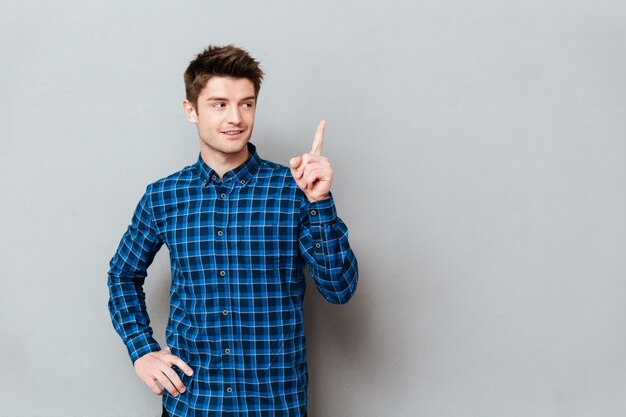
167, 415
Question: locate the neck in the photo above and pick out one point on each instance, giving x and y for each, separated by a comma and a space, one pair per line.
223, 162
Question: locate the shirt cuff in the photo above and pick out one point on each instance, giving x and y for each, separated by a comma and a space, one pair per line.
141, 345
322, 211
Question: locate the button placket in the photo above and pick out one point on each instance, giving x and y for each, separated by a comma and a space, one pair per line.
221, 256
222, 248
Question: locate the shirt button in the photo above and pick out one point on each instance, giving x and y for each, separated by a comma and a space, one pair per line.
313, 212
223, 195
220, 233
317, 245
213, 177
222, 273
243, 181
204, 182
229, 389
227, 351
225, 312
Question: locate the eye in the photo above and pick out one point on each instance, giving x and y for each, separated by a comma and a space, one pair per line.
218, 105
248, 105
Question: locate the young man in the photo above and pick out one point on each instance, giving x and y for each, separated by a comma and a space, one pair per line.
240, 231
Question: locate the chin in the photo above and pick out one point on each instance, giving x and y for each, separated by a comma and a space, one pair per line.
233, 148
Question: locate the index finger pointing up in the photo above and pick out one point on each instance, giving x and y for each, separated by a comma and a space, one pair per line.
318, 140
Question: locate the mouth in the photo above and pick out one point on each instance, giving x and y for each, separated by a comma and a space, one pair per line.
232, 132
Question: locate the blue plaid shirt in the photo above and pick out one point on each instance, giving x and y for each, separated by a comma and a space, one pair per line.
238, 247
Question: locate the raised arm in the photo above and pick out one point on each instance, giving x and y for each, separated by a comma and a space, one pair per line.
323, 235
324, 246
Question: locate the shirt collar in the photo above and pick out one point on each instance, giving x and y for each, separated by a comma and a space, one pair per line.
242, 174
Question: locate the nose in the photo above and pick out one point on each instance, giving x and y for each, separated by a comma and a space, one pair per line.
233, 116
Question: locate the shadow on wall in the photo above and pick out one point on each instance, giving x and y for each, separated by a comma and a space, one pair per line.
339, 338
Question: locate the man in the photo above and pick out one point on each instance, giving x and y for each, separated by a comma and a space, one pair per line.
240, 230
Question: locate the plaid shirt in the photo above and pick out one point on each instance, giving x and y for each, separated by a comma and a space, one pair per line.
238, 247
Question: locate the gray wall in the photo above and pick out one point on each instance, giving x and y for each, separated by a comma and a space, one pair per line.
480, 158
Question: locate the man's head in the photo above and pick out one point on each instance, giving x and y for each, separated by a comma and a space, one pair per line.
225, 61
222, 86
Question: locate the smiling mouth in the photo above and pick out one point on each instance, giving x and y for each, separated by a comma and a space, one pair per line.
232, 132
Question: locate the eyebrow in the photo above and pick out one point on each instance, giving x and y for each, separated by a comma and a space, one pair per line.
225, 99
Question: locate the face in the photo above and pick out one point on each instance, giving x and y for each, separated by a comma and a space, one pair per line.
224, 116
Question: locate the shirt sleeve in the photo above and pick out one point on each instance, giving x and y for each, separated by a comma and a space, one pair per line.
325, 248
127, 272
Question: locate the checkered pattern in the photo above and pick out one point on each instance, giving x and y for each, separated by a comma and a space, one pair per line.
238, 247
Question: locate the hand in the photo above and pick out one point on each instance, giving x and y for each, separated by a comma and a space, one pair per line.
157, 366
312, 171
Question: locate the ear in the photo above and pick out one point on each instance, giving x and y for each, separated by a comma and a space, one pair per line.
190, 112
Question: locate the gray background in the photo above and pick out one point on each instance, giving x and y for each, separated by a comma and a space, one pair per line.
480, 158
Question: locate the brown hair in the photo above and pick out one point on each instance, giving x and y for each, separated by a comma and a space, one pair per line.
226, 61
